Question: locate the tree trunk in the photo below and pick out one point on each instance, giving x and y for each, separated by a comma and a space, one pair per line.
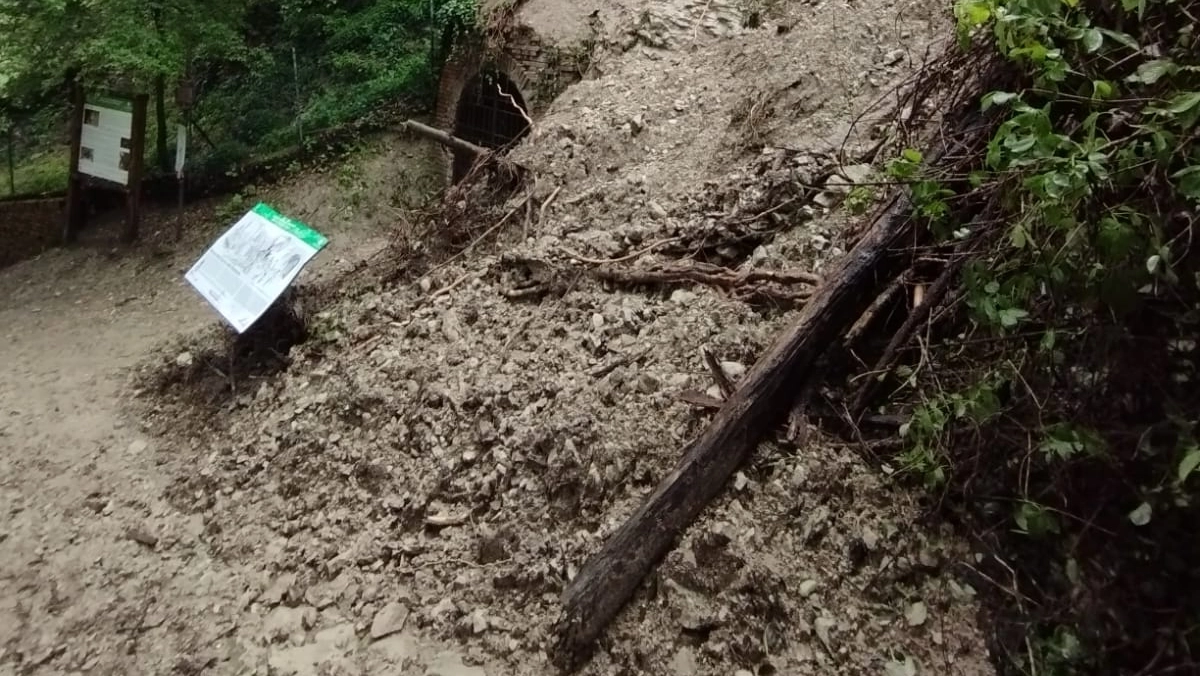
160, 120
609, 579
12, 161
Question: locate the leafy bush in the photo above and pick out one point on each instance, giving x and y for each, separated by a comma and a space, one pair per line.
1064, 405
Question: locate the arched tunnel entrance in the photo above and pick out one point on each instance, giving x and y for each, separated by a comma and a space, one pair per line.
491, 113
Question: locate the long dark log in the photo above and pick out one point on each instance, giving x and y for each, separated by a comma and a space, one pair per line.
444, 138
609, 578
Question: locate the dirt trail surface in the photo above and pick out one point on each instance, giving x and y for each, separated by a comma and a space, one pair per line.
412, 494
99, 573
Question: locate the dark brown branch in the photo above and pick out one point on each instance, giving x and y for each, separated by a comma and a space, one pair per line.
933, 297
608, 580
864, 322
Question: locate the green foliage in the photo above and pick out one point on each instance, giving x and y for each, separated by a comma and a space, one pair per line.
235, 207
859, 200
40, 173
1078, 315
269, 73
937, 417
1092, 158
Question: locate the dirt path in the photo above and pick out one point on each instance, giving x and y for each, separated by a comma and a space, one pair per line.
79, 482
100, 575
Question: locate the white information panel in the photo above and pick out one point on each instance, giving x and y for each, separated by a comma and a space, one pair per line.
105, 142
245, 270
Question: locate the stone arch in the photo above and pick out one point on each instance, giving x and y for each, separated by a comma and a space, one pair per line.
484, 101
491, 113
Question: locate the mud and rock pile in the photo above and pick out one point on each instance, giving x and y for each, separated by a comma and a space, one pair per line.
454, 447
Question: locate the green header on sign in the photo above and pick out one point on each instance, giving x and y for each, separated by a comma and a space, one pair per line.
298, 230
111, 102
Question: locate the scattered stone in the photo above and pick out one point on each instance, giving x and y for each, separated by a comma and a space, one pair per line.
822, 627
740, 481
856, 173
637, 124
138, 447
897, 668
278, 589
142, 537
917, 614
695, 611
657, 210
826, 200
928, 558
185, 360
733, 369
684, 662
816, 524
389, 621
444, 607
452, 326
445, 520
807, 588
648, 384
682, 297
870, 538
479, 622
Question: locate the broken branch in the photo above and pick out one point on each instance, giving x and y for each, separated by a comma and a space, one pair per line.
609, 578
445, 139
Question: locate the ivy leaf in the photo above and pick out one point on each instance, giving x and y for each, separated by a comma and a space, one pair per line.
1092, 40
1018, 145
1152, 263
974, 13
1187, 181
1101, 89
997, 99
1010, 317
1122, 38
1130, 5
1019, 236
1184, 102
1035, 520
1191, 460
1141, 516
1152, 71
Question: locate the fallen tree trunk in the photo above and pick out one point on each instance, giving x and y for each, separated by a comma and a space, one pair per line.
610, 578
444, 138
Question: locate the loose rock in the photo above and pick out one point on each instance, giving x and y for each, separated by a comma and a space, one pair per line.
389, 620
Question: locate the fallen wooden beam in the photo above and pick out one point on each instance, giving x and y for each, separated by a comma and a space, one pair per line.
764, 397
445, 138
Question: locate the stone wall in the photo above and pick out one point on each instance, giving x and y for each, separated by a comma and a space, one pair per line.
29, 227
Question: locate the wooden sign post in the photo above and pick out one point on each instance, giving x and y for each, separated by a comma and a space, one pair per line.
108, 143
